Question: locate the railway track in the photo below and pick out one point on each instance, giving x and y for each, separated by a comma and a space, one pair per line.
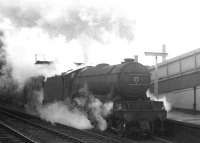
157, 139
10, 135
40, 131
34, 131
86, 136
176, 132
151, 139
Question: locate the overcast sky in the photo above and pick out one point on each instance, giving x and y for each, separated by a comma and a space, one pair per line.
129, 28
175, 23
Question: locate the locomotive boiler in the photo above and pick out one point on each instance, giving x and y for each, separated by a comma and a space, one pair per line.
125, 84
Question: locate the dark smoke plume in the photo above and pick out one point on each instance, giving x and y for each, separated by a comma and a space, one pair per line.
2, 51
88, 22
66, 31
72, 23
8, 86
21, 17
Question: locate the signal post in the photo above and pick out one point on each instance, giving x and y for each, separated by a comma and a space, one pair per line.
156, 54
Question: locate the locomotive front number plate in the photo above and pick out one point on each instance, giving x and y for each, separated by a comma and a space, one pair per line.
137, 80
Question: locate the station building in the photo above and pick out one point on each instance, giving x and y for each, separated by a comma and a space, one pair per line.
179, 81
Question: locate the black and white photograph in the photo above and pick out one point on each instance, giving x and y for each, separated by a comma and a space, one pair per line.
99, 71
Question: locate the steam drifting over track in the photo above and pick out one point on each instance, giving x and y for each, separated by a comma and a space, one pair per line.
48, 132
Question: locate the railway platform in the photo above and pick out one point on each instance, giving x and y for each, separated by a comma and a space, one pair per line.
182, 127
184, 117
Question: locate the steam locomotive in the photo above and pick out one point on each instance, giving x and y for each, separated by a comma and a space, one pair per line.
125, 84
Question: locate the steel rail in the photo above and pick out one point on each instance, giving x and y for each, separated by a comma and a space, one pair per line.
89, 133
17, 134
72, 139
161, 139
83, 134
89, 138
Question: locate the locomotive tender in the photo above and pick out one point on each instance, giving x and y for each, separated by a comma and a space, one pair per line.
125, 84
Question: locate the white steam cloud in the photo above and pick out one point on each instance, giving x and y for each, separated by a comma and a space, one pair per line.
59, 112
166, 103
6, 81
64, 31
96, 109
84, 112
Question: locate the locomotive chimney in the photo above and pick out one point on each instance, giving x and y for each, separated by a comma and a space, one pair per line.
136, 58
128, 60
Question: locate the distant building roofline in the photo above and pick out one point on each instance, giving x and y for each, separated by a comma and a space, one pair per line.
182, 56
43, 62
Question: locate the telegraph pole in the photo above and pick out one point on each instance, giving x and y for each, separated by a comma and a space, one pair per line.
156, 54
